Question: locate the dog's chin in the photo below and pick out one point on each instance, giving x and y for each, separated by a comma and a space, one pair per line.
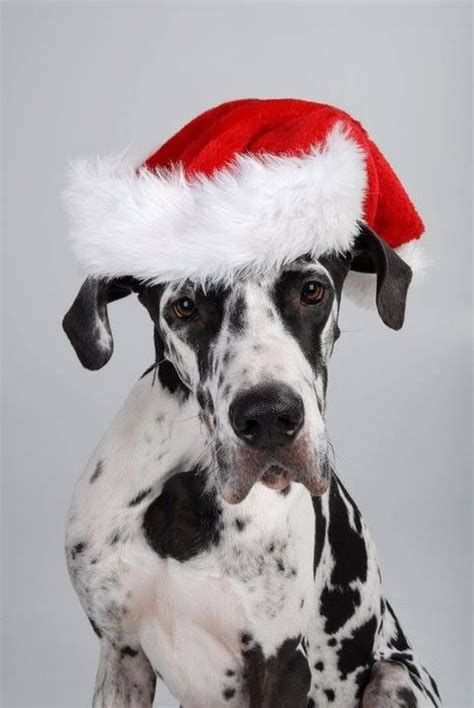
235, 482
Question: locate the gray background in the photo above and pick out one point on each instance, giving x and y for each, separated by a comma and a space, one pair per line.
92, 78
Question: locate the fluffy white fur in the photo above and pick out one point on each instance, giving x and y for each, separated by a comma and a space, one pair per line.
260, 212
361, 288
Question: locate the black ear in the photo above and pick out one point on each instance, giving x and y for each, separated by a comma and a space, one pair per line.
371, 254
86, 323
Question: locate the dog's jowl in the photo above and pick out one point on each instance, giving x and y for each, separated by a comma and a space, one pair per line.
209, 539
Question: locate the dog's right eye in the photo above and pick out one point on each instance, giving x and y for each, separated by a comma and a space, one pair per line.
185, 309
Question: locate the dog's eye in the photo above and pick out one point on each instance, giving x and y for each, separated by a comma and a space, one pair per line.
312, 292
185, 309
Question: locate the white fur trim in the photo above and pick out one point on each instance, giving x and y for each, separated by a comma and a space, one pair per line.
361, 288
259, 213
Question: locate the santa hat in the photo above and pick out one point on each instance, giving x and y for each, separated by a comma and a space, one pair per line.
242, 188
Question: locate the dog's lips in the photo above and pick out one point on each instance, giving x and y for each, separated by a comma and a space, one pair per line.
238, 472
277, 478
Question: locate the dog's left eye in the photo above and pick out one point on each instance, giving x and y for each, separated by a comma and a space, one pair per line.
312, 292
186, 309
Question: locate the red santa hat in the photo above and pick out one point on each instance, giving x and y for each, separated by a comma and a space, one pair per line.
246, 186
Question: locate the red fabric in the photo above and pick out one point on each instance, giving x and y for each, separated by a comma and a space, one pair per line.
289, 126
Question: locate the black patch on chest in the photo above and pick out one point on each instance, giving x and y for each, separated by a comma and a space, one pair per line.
356, 650
185, 519
347, 545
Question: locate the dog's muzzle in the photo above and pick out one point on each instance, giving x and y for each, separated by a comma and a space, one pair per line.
273, 447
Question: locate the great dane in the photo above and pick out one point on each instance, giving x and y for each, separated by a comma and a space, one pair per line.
209, 540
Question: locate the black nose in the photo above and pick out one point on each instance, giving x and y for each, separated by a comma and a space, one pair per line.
267, 416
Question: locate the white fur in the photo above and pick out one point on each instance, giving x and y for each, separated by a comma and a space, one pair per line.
361, 287
258, 213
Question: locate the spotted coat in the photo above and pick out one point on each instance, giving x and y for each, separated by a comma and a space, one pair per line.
195, 569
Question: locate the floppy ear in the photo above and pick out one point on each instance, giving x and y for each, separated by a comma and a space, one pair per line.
371, 254
86, 323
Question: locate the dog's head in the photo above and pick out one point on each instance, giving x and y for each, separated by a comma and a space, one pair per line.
254, 354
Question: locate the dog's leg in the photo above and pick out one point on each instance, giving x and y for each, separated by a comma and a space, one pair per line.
392, 686
124, 679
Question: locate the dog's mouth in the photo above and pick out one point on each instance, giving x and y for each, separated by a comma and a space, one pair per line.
277, 478
240, 469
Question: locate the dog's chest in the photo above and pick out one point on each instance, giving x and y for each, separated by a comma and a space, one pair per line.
215, 594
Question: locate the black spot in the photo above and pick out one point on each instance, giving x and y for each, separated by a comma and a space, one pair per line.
99, 468
434, 686
337, 605
169, 378
246, 637
230, 672
128, 651
240, 524
399, 641
407, 698
185, 519
332, 642
362, 679
237, 314
356, 650
301, 603
139, 497
421, 687
228, 693
280, 565
319, 666
286, 490
270, 314
320, 532
271, 547
115, 537
95, 628
311, 703
77, 549
330, 695
347, 545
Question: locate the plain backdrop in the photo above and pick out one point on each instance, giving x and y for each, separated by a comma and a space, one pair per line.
93, 78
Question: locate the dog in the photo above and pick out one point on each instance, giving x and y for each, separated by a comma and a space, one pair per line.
209, 540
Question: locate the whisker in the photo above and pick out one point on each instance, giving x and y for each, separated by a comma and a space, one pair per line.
183, 420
